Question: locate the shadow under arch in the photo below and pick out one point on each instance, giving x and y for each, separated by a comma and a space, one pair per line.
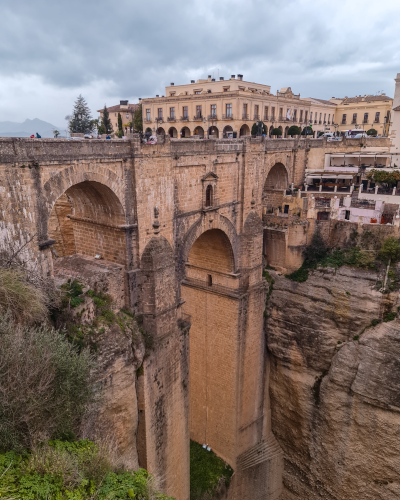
88, 219
195, 231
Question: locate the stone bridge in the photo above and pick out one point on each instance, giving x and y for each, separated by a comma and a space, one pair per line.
181, 221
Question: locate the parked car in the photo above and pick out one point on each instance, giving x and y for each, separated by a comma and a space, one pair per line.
88, 136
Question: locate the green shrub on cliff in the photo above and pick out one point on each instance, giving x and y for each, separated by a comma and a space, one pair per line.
46, 387
78, 470
209, 474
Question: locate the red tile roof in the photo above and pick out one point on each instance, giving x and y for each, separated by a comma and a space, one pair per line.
366, 98
120, 109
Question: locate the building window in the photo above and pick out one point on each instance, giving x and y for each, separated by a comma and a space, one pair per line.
324, 118
354, 120
377, 117
272, 113
229, 110
172, 94
295, 115
148, 115
160, 113
226, 89
198, 111
329, 119
209, 196
305, 116
347, 215
213, 111
256, 112
209, 279
244, 111
280, 113
172, 113
301, 116
365, 117
320, 118
344, 118
185, 111
197, 92
266, 113
311, 116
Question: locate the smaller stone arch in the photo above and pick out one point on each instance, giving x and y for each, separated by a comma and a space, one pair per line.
199, 131
277, 178
244, 130
271, 128
173, 133
227, 130
160, 131
213, 132
185, 132
281, 129
286, 131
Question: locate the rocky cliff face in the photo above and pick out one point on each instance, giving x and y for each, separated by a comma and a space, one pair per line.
335, 406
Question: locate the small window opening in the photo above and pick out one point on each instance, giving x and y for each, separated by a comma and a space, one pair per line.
286, 209
347, 215
209, 280
209, 196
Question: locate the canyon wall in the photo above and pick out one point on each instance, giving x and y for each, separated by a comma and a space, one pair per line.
335, 387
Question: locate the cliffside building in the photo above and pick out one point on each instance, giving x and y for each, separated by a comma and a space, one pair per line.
228, 108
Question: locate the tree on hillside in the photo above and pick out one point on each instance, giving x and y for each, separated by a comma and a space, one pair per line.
255, 129
294, 130
138, 119
106, 126
81, 118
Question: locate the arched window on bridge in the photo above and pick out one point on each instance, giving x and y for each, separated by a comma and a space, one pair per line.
209, 196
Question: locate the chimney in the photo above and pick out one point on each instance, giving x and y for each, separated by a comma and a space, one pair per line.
191, 81
240, 77
140, 98
157, 95
213, 80
123, 104
233, 77
172, 83
221, 77
209, 78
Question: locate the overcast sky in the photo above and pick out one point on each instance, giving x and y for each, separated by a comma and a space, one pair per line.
53, 50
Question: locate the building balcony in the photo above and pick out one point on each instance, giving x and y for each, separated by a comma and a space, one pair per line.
365, 122
198, 118
353, 122
245, 116
266, 118
159, 119
213, 116
320, 122
257, 117
227, 117
184, 118
343, 123
171, 119
377, 121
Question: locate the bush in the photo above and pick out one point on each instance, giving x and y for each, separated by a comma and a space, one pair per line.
389, 317
372, 132
26, 303
78, 471
294, 130
254, 128
276, 131
390, 250
46, 387
307, 131
208, 473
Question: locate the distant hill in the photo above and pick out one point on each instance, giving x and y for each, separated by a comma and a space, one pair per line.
27, 128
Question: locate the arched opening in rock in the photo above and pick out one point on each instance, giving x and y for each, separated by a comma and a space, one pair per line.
208, 290
88, 219
275, 184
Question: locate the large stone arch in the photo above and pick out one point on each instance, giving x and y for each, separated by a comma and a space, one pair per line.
196, 230
75, 174
272, 160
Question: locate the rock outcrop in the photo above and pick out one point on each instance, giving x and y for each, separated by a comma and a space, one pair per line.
335, 386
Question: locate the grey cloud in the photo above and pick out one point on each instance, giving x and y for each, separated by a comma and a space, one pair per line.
136, 48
